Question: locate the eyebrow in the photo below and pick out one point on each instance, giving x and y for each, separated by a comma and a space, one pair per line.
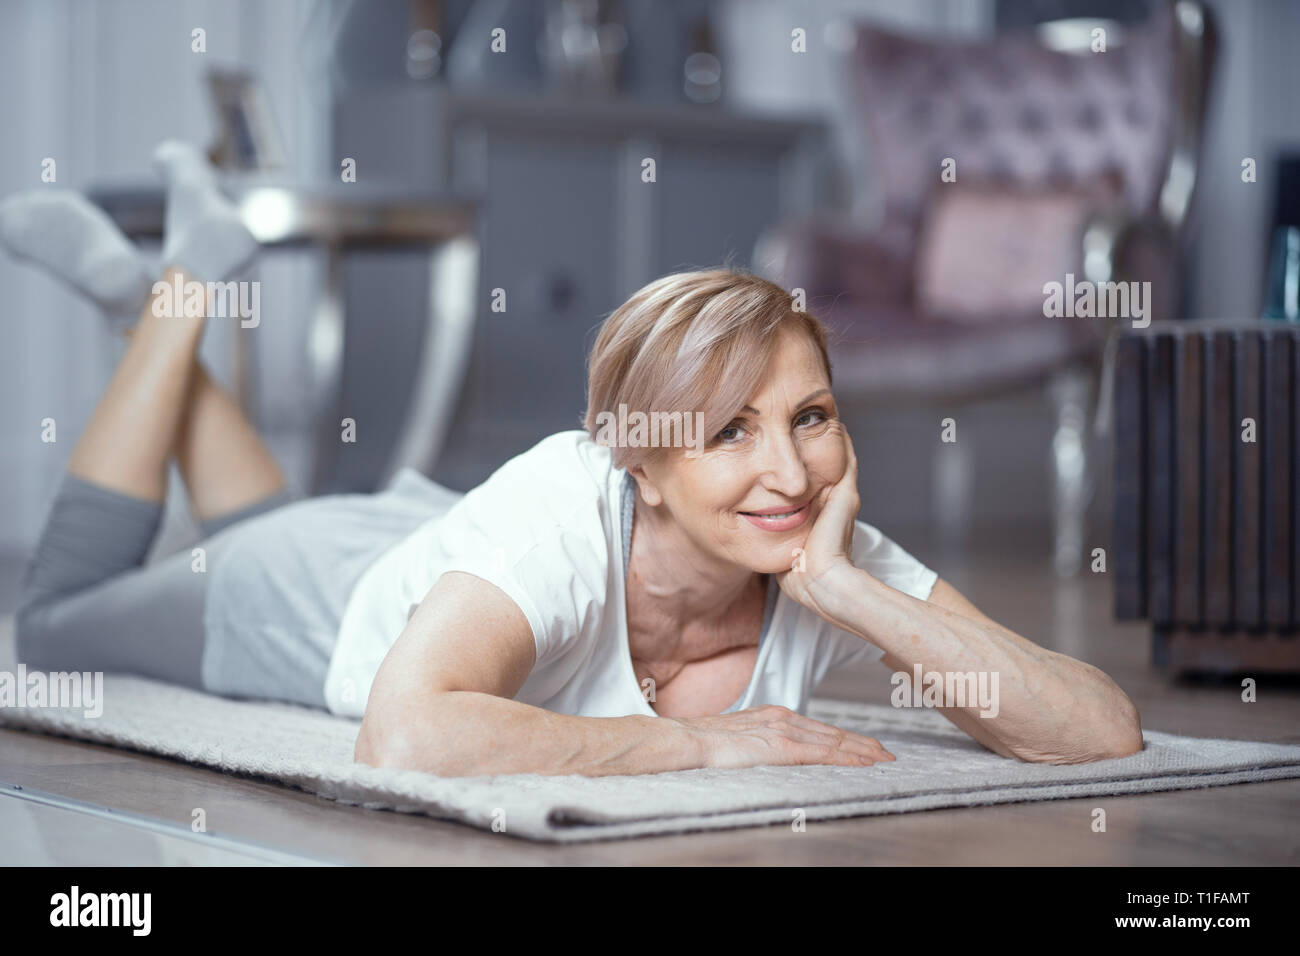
803, 401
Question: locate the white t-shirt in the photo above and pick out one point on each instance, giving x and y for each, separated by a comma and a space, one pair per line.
547, 529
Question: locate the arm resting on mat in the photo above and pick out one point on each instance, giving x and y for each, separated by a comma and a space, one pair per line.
441, 703
1018, 699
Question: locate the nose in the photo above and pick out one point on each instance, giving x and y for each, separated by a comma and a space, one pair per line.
782, 469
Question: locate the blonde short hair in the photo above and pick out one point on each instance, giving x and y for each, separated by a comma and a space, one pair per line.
690, 342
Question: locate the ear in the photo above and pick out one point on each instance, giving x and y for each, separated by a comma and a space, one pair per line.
649, 492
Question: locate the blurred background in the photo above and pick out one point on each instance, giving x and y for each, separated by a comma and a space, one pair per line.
801, 140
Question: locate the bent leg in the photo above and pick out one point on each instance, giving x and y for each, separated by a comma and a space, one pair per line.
148, 622
91, 534
228, 469
221, 522
128, 442
88, 605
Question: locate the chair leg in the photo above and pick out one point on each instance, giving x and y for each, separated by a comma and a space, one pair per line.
444, 356
1070, 391
953, 479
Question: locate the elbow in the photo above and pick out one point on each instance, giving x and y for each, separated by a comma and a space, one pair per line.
400, 740
388, 750
367, 750
1122, 736
1125, 738
1118, 729
1116, 738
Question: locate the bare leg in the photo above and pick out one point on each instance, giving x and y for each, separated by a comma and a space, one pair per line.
161, 403
129, 439
224, 462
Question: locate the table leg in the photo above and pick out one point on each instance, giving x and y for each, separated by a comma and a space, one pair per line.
325, 369
444, 356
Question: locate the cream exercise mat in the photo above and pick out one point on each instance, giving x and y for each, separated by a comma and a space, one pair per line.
937, 766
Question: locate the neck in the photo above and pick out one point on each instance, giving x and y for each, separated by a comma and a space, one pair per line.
676, 578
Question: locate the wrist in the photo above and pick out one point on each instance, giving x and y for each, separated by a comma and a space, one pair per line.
837, 592
689, 747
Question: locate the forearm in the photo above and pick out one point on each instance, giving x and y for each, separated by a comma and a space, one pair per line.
1050, 707
465, 733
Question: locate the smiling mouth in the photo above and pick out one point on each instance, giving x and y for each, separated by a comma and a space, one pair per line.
777, 519
780, 511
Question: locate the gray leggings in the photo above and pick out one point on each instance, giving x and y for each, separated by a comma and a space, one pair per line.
90, 604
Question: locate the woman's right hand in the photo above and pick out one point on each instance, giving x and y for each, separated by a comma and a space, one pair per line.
779, 736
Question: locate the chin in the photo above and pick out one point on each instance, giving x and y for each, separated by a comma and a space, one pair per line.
776, 557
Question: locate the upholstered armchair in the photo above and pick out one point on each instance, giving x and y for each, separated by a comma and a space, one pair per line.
997, 167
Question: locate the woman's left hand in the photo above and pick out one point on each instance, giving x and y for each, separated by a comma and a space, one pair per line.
827, 552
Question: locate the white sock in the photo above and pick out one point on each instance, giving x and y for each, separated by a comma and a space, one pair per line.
204, 234
70, 237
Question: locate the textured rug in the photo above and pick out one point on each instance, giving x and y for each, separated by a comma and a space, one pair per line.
937, 766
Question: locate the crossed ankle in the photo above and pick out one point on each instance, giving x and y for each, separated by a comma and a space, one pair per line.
177, 295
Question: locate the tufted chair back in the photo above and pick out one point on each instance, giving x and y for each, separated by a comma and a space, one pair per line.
1022, 114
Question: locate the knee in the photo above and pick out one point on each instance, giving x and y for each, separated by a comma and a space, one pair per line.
30, 627
34, 621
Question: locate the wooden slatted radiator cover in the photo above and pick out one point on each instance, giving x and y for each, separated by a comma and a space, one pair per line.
1207, 492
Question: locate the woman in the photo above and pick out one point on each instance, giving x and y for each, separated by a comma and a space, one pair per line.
597, 606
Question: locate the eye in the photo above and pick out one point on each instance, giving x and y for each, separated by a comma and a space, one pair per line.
811, 416
723, 436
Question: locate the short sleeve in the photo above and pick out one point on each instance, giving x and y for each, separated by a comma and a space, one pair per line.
890, 563
558, 583
536, 530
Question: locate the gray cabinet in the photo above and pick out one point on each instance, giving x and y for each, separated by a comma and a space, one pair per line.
568, 228
550, 245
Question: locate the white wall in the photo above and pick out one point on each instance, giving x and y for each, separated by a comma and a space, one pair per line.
96, 85
1255, 112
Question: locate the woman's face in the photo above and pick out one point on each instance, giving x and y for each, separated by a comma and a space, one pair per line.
753, 494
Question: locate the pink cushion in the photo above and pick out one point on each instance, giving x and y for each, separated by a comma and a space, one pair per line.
985, 252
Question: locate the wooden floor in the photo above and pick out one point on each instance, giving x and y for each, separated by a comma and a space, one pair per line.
59, 815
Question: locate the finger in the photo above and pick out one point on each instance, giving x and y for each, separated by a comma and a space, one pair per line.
842, 496
871, 749
814, 724
873, 753
858, 743
867, 744
852, 452
794, 718
850, 478
799, 735
838, 740
835, 756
